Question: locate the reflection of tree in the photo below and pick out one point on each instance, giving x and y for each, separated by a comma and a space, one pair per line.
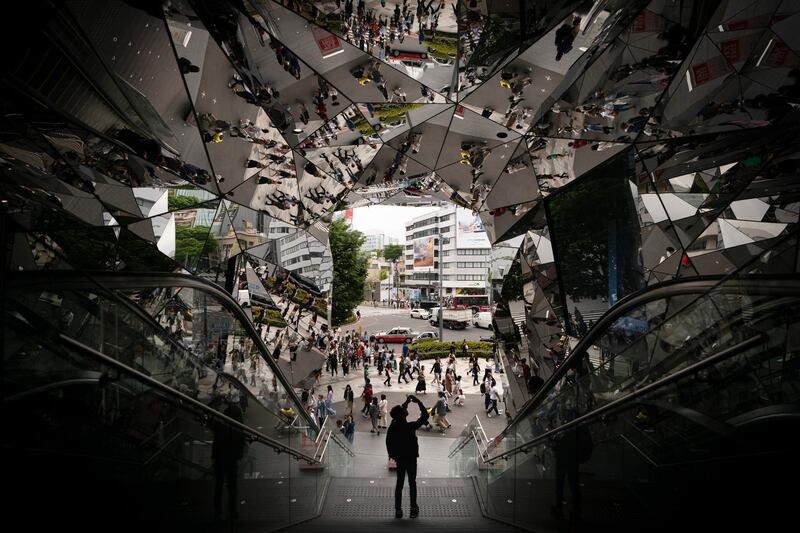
349, 270
177, 203
190, 241
591, 220
512, 283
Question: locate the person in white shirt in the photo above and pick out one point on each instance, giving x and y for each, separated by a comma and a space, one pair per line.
492, 400
459, 399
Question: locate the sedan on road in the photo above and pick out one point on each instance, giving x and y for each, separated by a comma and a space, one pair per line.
424, 314
401, 335
427, 336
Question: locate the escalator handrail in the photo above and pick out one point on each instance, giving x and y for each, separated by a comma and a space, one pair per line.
588, 417
140, 280
698, 285
182, 399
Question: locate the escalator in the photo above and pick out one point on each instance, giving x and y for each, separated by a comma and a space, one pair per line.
112, 422
673, 412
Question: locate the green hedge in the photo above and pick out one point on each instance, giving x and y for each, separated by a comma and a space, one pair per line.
443, 47
429, 349
272, 317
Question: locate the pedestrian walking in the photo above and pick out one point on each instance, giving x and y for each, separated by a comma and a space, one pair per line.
348, 398
374, 413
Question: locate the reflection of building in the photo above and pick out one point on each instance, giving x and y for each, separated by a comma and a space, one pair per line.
305, 255
247, 236
374, 240
153, 203
465, 269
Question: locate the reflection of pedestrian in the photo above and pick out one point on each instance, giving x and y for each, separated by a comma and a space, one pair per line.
186, 66
565, 35
571, 449
227, 450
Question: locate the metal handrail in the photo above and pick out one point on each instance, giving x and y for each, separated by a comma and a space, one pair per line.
472, 432
699, 285
708, 361
325, 448
153, 280
183, 399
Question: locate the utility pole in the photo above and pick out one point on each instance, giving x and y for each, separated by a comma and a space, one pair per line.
441, 289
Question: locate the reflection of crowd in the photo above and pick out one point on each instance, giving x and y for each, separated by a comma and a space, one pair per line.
374, 32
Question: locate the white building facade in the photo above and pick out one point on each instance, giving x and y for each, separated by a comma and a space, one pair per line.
377, 241
466, 254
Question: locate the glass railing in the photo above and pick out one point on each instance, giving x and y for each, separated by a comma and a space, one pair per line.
118, 445
684, 412
182, 331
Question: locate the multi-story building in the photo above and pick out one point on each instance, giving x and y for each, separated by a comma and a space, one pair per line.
466, 254
374, 240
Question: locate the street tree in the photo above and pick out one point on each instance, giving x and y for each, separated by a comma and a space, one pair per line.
349, 270
392, 252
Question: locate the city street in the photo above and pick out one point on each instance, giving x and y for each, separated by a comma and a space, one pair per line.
376, 319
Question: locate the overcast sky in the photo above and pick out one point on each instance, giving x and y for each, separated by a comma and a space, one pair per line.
387, 219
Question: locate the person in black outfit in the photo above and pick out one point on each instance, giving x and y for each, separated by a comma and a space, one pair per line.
227, 450
402, 446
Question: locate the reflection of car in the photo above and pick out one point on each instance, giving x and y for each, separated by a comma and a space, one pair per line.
420, 313
445, 61
427, 336
394, 124
244, 298
482, 319
404, 335
417, 59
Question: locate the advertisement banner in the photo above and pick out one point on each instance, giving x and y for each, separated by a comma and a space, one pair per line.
470, 230
709, 70
423, 254
327, 43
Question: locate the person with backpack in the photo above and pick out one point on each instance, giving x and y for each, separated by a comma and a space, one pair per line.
492, 394
374, 414
366, 395
440, 413
437, 371
403, 447
475, 370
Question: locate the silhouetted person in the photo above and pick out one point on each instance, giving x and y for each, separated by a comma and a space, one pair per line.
227, 450
571, 450
402, 446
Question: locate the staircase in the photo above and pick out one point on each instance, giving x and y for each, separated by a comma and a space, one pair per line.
361, 504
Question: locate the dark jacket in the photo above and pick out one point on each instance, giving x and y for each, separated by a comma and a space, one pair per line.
229, 443
401, 438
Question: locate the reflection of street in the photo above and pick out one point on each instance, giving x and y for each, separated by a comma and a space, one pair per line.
423, 32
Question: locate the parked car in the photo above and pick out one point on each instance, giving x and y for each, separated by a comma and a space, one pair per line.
424, 314
482, 319
410, 58
427, 336
399, 335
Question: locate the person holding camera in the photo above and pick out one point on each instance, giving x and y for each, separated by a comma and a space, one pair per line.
403, 447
